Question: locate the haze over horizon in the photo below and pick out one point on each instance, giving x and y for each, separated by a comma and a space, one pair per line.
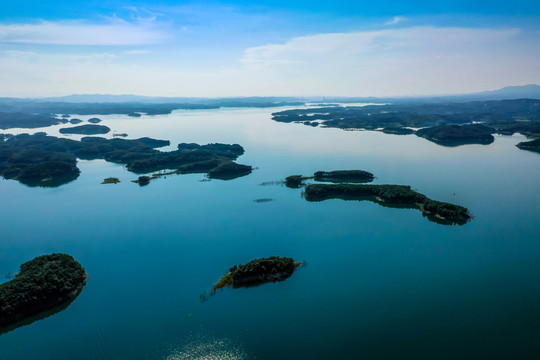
234, 48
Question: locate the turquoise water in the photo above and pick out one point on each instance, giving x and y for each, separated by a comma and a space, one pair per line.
380, 283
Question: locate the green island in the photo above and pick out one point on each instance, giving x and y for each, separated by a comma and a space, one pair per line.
9, 120
401, 196
394, 130
533, 145
454, 135
341, 176
446, 123
258, 271
87, 129
111, 180
295, 181
41, 160
94, 120
45, 285
75, 121
229, 170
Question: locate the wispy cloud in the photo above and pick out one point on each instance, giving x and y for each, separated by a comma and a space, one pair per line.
116, 33
392, 61
414, 60
395, 20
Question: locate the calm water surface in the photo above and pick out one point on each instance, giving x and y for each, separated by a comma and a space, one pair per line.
380, 283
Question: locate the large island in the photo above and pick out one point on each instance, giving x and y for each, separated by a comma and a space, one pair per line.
392, 196
43, 284
88, 129
50, 161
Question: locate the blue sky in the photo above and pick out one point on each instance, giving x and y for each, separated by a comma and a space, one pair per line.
239, 48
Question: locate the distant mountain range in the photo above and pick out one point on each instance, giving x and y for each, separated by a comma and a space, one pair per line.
531, 91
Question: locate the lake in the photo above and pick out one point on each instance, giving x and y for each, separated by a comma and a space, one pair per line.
380, 283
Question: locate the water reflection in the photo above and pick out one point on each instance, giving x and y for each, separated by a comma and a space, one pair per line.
204, 347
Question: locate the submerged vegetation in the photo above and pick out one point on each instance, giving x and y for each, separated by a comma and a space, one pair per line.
258, 271
46, 160
43, 284
392, 196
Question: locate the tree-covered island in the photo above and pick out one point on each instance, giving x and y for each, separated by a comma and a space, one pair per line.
88, 129
258, 271
43, 284
533, 145
449, 124
454, 135
50, 161
392, 196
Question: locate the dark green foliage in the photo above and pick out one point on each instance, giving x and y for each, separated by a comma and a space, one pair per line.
453, 135
533, 145
37, 167
10, 120
139, 156
43, 283
401, 195
293, 181
75, 121
340, 176
263, 270
200, 166
154, 143
111, 180
94, 120
524, 127
503, 116
229, 170
259, 271
143, 180
86, 130
397, 130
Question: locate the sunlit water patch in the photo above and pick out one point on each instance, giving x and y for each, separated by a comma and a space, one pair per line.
202, 347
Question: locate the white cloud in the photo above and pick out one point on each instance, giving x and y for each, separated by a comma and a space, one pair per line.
116, 33
405, 61
395, 20
414, 60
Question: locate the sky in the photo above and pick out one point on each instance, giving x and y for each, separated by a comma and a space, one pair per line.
266, 48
